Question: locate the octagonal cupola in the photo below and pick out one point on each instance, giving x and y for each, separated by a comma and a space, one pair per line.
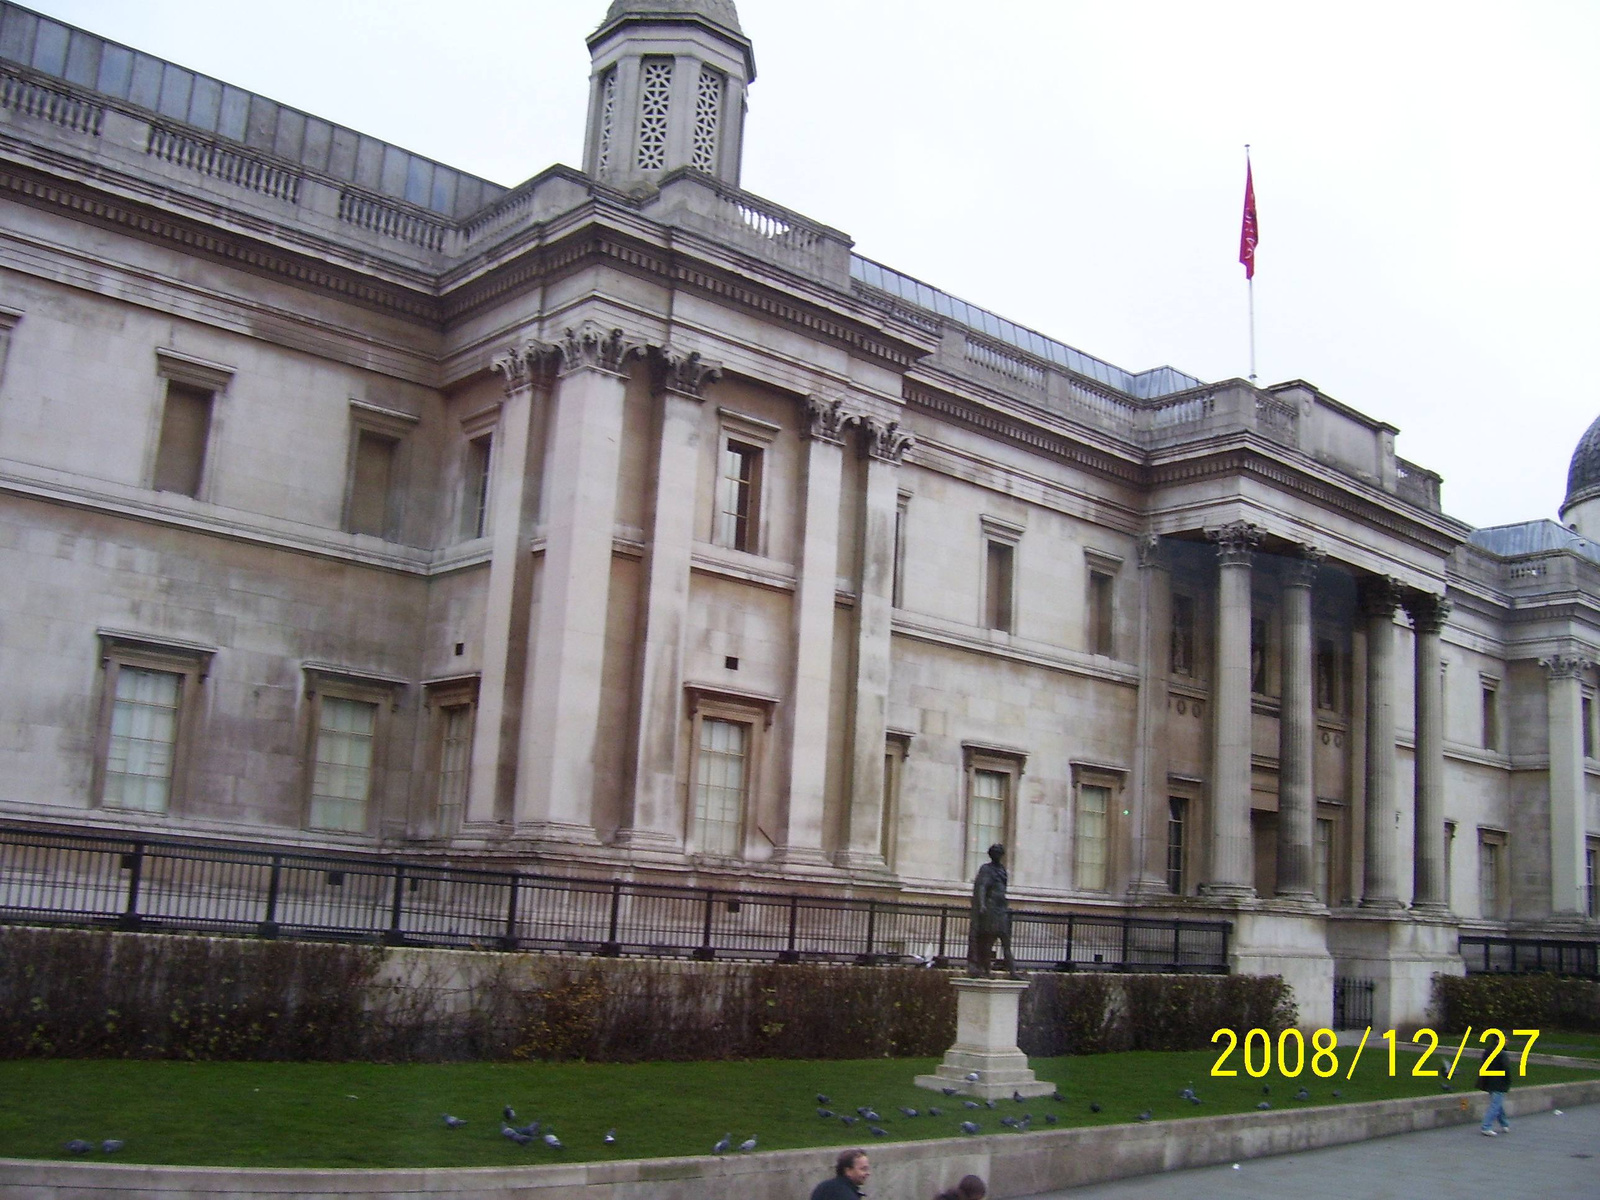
667, 91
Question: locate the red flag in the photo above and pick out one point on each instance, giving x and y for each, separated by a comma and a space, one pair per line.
1249, 232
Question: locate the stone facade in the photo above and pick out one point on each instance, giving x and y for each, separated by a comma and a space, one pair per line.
626, 521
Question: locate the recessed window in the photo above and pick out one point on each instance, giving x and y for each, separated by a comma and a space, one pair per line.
1591, 878
1183, 633
898, 595
1327, 673
739, 496
149, 686
455, 766
1491, 715
1587, 718
185, 432
1177, 844
721, 787
372, 489
1258, 655
986, 815
475, 487
1491, 873
1100, 613
1091, 836
999, 582
341, 787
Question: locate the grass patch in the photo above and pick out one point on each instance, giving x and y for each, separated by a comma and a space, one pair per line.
374, 1115
1571, 1044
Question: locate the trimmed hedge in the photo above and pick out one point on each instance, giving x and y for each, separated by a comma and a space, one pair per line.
1516, 1002
76, 993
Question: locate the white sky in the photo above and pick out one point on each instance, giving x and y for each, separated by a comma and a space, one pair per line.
1427, 174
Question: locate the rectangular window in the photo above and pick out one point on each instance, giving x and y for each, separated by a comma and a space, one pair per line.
1591, 878
1177, 843
1449, 864
1100, 613
1322, 860
1587, 717
1094, 811
999, 581
739, 497
1491, 869
455, 766
986, 815
720, 787
475, 488
1491, 717
343, 764
371, 483
185, 430
1182, 634
1327, 674
1258, 655
898, 599
142, 752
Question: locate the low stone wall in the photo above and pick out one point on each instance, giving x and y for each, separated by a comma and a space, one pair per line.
1013, 1164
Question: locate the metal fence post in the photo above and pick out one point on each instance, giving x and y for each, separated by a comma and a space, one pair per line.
705, 951
269, 924
611, 947
789, 954
868, 958
941, 959
135, 861
509, 940
395, 936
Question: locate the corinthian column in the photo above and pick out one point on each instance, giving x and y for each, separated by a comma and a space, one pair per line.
1232, 856
1428, 613
1296, 723
1379, 596
1568, 829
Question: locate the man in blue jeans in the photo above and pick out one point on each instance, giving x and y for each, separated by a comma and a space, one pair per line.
1497, 1085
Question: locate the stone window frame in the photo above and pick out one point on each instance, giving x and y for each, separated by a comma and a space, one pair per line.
1501, 840
1266, 609
755, 712
1189, 793
191, 662
1326, 632
10, 318
1115, 781
324, 680
1006, 761
1591, 871
761, 437
1451, 827
1100, 629
1586, 720
896, 751
397, 427
201, 375
1491, 728
474, 513
1335, 813
1191, 670
902, 511
439, 697
999, 613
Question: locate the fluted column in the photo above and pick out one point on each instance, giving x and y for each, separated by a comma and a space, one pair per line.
655, 819
1296, 728
863, 842
1428, 613
555, 782
1148, 873
1379, 597
1568, 830
514, 498
801, 836
1232, 854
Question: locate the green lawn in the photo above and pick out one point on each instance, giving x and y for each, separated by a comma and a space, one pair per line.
1573, 1045
366, 1115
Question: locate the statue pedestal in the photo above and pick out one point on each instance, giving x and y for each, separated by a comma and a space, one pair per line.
986, 1044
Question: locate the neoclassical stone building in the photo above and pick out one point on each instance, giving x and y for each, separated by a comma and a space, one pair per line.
625, 522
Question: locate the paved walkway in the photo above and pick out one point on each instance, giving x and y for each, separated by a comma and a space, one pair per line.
1543, 1156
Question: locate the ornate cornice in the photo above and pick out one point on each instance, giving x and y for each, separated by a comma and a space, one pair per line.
1379, 596
1235, 542
886, 440
591, 347
684, 372
1428, 612
1566, 666
826, 420
1301, 567
525, 364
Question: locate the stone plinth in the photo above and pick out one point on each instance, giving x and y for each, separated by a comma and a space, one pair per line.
986, 1044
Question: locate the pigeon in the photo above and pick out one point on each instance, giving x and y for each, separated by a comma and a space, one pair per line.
988, 1103
848, 1121
611, 1137
969, 1127
509, 1113
453, 1122
862, 1110
948, 1091
1187, 1093
910, 1112
77, 1146
111, 1145
1058, 1097
1264, 1105
1336, 1093
724, 1145
1266, 1089
515, 1135
1050, 1118
936, 1112
1017, 1096
823, 1100
1145, 1115
971, 1077
870, 1115
553, 1142
825, 1113
877, 1132
531, 1129
748, 1144
1094, 1106
1302, 1094
1009, 1121
970, 1104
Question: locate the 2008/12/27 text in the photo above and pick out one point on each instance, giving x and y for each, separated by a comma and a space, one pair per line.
1324, 1059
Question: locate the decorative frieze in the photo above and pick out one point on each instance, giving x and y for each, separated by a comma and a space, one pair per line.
1427, 611
594, 348
1235, 542
525, 364
887, 441
684, 372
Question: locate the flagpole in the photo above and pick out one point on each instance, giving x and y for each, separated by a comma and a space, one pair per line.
1250, 286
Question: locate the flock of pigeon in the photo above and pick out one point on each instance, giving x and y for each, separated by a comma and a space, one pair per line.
875, 1122
79, 1146
526, 1135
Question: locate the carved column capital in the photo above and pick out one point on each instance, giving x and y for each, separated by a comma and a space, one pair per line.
1150, 550
683, 372
1303, 566
591, 347
826, 420
886, 440
1428, 612
1380, 596
1566, 665
1235, 542
525, 363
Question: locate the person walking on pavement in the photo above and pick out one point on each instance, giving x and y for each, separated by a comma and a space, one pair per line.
850, 1175
1497, 1085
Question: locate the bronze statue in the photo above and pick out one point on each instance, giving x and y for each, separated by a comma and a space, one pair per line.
991, 917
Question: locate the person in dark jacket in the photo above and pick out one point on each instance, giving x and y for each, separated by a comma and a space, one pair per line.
1497, 1086
850, 1175
970, 1188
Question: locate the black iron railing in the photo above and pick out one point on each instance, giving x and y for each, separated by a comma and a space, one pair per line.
1522, 956
171, 886
1352, 1002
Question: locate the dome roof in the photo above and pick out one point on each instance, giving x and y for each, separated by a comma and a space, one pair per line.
1583, 475
715, 12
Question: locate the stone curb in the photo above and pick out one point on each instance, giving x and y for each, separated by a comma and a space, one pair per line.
1015, 1165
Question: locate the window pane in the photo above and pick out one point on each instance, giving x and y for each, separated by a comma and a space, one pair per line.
144, 735
720, 787
1323, 861
185, 425
986, 816
1094, 803
455, 763
1177, 818
342, 778
475, 484
738, 489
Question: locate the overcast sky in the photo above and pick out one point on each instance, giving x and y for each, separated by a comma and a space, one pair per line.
1427, 174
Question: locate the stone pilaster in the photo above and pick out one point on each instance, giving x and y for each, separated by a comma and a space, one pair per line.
1296, 730
863, 842
1232, 855
1147, 873
1379, 597
527, 368
555, 787
823, 432
1428, 613
655, 819
1564, 673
